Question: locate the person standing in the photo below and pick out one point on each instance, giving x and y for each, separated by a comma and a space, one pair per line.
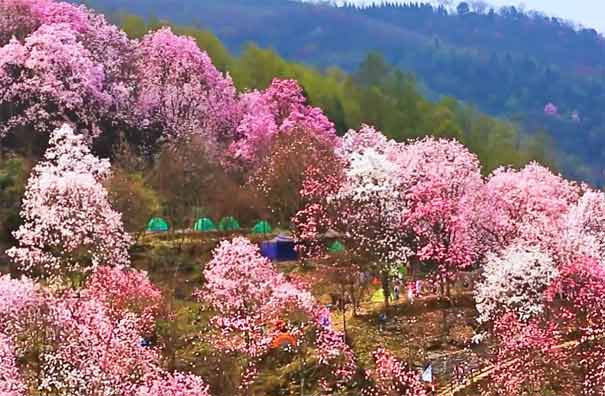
411, 293
396, 289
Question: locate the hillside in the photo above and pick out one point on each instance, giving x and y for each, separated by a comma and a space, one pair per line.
176, 220
483, 57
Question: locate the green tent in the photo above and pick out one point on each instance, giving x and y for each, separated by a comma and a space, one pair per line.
262, 227
336, 247
157, 224
228, 223
204, 224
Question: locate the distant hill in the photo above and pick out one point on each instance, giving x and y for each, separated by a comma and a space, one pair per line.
506, 62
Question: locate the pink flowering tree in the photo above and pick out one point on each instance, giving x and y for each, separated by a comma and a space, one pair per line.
550, 109
126, 291
280, 176
336, 360
87, 352
577, 298
253, 304
527, 205
11, 382
314, 218
391, 377
80, 343
321, 211
583, 233
280, 108
528, 359
562, 348
107, 45
369, 205
247, 296
51, 78
179, 93
440, 178
69, 226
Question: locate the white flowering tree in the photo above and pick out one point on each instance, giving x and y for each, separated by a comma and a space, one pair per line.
583, 233
69, 226
514, 281
370, 204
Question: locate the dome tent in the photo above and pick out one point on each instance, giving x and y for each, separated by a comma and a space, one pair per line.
336, 247
204, 224
262, 227
157, 224
228, 223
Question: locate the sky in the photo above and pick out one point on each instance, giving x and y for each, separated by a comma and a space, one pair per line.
589, 13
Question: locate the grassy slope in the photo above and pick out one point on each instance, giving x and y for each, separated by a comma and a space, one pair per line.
414, 332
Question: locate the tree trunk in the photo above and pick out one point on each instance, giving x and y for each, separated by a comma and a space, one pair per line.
344, 322
385, 288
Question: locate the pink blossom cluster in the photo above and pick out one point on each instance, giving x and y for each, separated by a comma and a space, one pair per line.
60, 62
392, 378
563, 347
281, 108
398, 200
248, 297
177, 89
83, 342
11, 382
126, 291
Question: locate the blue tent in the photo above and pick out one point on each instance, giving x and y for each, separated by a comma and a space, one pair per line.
280, 248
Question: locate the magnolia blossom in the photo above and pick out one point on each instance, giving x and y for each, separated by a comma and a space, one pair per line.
440, 178
11, 382
550, 109
82, 342
69, 223
577, 296
89, 352
17, 297
124, 291
527, 358
179, 92
279, 109
177, 384
247, 295
514, 281
527, 205
370, 202
392, 378
336, 357
365, 138
108, 44
583, 231
51, 78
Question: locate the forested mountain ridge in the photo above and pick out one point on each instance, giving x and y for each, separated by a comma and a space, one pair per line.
507, 62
